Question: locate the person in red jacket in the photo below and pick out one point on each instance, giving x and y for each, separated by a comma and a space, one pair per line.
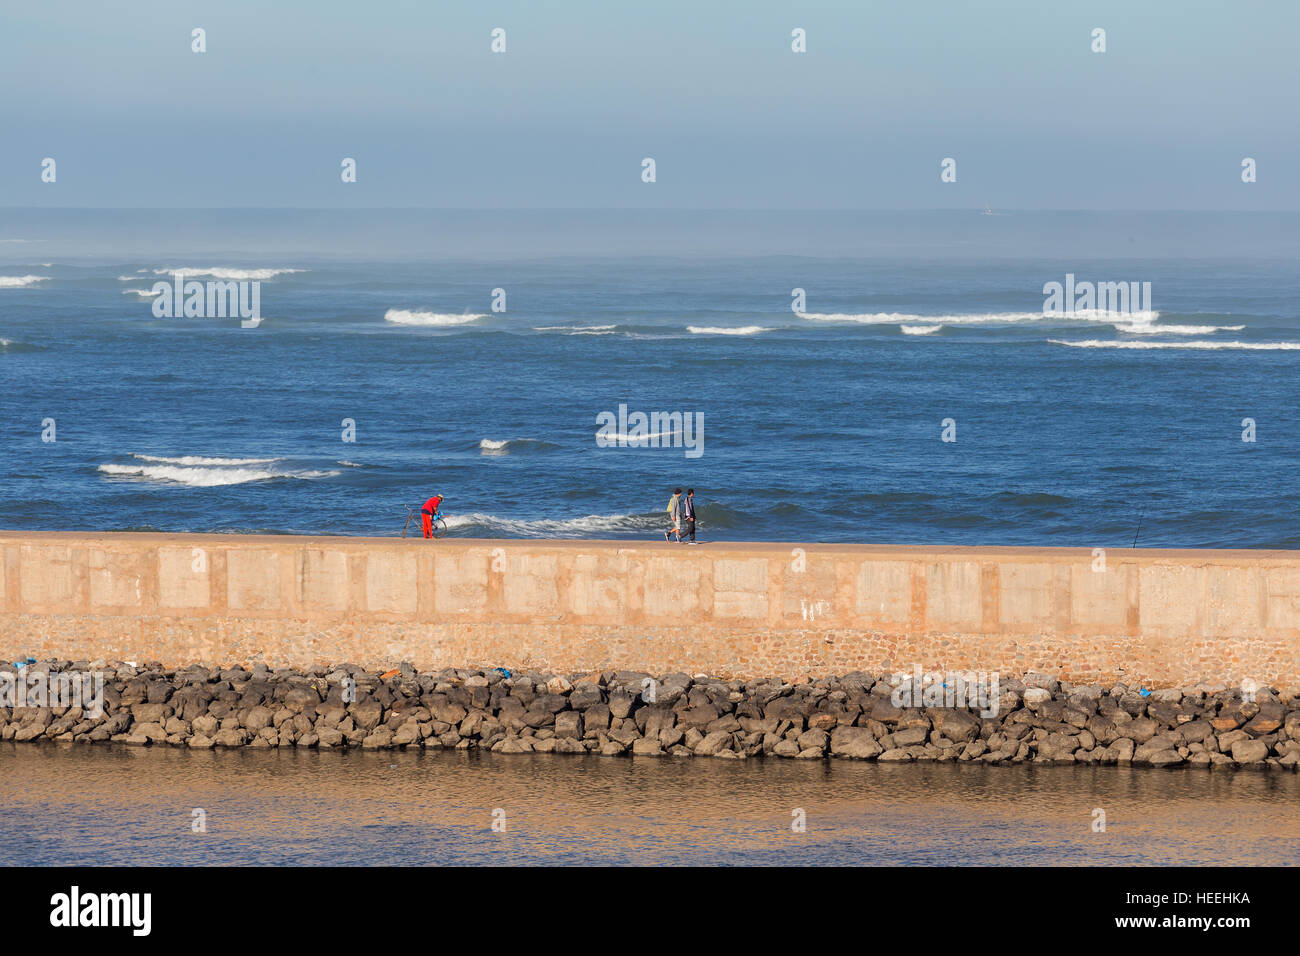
428, 512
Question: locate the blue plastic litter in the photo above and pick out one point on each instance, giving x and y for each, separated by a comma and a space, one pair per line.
1144, 692
502, 671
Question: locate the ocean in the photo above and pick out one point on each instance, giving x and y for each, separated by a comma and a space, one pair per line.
381, 374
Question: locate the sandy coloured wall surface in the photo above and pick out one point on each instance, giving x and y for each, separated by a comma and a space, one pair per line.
1160, 617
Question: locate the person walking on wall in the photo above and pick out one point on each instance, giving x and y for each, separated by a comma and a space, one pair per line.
688, 512
675, 515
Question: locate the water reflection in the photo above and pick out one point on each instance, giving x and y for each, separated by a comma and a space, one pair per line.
75, 804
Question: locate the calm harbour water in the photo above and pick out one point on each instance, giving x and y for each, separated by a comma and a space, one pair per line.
78, 805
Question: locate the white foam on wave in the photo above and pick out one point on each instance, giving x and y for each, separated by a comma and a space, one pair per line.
919, 329
1251, 346
977, 318
142, 293
1149, 328
407, 317
576, 329
636, 439
491, 446
20, 282
726, 330
203, 460
553, 527
205, 477
906, 318
228, 272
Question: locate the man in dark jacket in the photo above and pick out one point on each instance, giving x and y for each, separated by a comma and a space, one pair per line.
688, 508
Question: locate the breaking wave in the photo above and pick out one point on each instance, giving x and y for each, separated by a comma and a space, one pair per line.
204, 460
726, 330
407, 317
201, 477
905, 318
509, 446
484, 525
1149, 328
577, 329
1250, 346
920, 329
225, 272
977, 318
20, 282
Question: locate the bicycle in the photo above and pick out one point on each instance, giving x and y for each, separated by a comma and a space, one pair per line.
413, 513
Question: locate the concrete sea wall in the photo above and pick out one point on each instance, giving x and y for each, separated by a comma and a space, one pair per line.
1156, 618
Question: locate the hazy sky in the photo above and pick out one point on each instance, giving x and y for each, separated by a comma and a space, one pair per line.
709, 88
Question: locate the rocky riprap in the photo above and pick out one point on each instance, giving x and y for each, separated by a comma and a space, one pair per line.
1039, 720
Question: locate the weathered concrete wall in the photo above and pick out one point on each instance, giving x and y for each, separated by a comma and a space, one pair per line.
1161, 617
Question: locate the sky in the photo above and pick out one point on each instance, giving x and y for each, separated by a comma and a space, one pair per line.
710, 89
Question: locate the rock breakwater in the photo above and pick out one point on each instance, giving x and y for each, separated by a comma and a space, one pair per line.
857, 716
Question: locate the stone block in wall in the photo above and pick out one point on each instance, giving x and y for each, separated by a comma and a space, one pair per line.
809, 587
46, 575
952, 596
460, 582
1099, 599
597, 584
391, 581
323, 583
885, 591
184, 577
740, 588
1026, 595
1283, 608
1233, 601
529, 585
1170, 599
672, 586
116, 579
252, 580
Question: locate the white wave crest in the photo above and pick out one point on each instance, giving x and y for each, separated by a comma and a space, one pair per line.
636, 439
406, 317
1103, 315
203, 460
726, 330
225, 272
143, 293
1251, 346
920, 329
1148, 328
204, 477
586, 526
902, 318
576, 329
976, 318
490, 446
20, 282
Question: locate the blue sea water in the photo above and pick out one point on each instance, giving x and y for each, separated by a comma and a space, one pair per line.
825, 426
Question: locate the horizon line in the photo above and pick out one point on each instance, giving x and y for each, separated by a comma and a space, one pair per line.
669, 209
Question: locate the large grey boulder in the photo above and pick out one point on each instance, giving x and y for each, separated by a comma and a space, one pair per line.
856, 743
